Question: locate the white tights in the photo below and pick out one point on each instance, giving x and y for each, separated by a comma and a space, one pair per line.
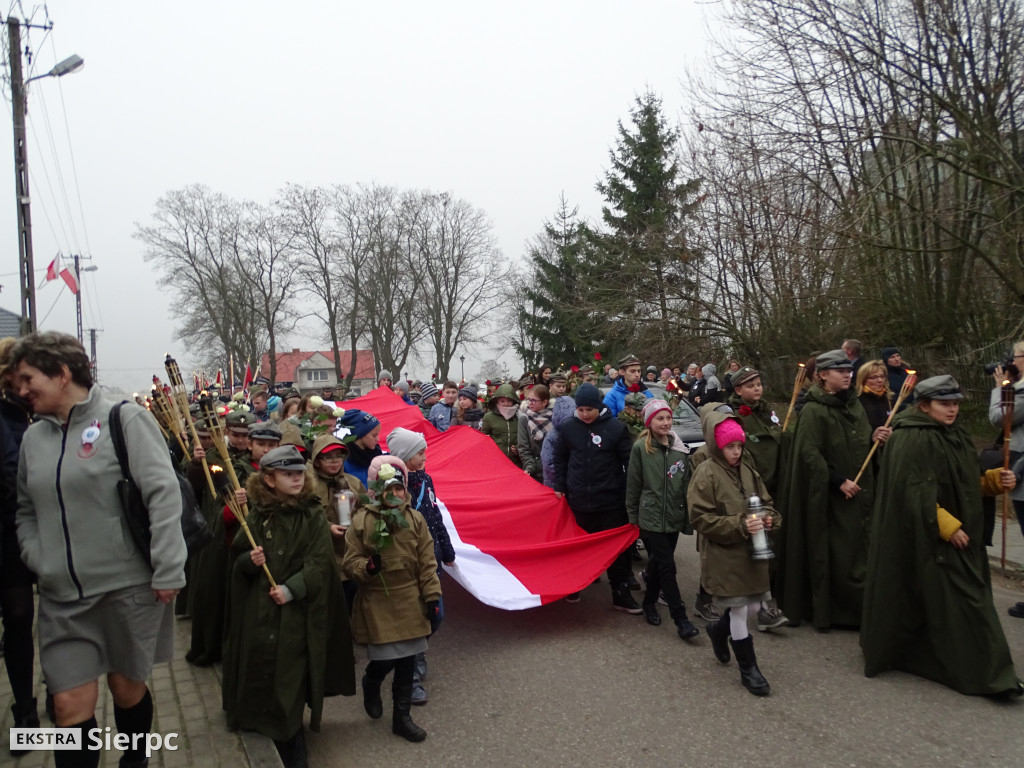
738, 619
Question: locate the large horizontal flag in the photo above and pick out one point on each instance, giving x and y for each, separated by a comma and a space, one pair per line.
516, 544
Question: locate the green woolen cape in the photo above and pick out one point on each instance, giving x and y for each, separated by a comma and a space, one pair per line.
928, 606
277, 658
824, 547
764, 439
208, 591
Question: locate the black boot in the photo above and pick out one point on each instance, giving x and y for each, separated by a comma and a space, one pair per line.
685, 629
401, 721
622, 600
751, 676
25, 716
371, 697
718, 631
293, 751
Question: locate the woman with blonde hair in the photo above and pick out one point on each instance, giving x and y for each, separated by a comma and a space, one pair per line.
873, 392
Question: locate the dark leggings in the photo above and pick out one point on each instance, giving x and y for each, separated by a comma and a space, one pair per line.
19, 653
404, 668
661, 571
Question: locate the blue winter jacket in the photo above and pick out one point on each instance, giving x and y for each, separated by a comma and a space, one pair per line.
615, 400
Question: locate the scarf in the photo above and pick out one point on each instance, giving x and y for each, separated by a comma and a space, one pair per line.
508, 412
539, 423
869, 390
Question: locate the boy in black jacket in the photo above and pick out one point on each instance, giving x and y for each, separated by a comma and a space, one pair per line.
590, 462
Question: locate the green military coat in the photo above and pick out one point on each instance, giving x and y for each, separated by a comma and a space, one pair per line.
928, 606
764, 438
278, 658
825, 545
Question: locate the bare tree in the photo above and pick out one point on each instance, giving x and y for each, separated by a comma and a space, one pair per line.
193, 242
464, 282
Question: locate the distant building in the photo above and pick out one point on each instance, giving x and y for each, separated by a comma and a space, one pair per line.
313, 371
10, 324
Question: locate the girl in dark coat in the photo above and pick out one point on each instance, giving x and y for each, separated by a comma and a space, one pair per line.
928, 599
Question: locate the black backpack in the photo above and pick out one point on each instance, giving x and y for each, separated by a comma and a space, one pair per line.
194, 528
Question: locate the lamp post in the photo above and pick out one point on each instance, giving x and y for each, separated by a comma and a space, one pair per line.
462, 360
26, 262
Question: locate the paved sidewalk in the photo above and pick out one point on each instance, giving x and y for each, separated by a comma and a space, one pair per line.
187, 702
1014, 542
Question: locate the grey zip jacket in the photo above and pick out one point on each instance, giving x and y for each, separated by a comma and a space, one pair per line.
70, 524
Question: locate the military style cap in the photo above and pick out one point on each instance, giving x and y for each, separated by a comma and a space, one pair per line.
202, 427
239, 421
744, 374
265, 430
836, 360
652, 369
588, 368
938, 388
559, 375
285, 457
629, 360
636, 400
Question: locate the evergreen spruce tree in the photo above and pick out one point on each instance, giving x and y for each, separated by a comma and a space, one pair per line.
642, 254
556, 319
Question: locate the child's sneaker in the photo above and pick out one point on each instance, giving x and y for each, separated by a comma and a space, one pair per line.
705, 608
770, 617
622, 600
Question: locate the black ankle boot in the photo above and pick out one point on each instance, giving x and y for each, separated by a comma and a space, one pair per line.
684, 628
293, 751
371, 697
750, 675
401, 721
718, 631
25, 716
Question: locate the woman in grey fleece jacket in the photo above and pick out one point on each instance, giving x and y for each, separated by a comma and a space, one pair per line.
102, 608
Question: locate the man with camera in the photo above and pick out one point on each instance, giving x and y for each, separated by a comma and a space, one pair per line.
1009, 370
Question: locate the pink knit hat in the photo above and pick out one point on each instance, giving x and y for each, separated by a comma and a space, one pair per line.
651, 407
729, 431
380, 461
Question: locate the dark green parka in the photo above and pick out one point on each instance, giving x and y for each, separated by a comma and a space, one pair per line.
928, 606
764, 438
825, 546
656, 486
504, 432
277, 658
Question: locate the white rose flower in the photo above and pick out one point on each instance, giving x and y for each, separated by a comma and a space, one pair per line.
316, 401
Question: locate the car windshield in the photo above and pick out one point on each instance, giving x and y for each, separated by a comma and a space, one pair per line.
685, 416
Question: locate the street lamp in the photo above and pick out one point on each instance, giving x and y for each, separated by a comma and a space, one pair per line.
26, 262
462, 359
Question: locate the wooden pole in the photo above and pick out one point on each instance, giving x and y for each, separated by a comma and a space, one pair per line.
178, 388
217, 433
801, 372
905, 390
232, 503
170, 411
1006, 403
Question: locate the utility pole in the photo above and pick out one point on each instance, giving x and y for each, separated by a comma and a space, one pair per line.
26, 263
78, 306
92, 359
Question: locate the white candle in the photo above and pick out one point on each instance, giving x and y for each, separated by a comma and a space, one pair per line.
344, 509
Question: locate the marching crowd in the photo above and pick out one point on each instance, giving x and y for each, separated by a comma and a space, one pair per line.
865, 514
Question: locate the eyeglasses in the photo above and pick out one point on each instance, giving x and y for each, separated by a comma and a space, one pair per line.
534, 400
879, 376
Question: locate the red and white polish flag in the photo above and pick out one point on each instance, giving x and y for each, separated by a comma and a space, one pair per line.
516, 544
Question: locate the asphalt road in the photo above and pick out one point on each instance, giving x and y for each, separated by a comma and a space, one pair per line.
584, 685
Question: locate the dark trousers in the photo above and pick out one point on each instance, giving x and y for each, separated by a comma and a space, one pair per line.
661, 571
404, 668
595, 521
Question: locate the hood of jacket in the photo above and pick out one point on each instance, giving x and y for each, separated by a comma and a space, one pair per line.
322, 442
563, 410
708, 421
709, 370
505, 390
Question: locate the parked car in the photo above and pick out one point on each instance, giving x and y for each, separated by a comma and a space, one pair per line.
686, 424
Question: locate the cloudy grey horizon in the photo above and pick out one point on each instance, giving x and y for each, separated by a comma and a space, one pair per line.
507, 106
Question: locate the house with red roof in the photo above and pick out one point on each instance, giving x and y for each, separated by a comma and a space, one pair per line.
313, 371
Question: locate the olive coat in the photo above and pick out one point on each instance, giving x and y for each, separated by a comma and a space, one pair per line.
390, 606
717, 500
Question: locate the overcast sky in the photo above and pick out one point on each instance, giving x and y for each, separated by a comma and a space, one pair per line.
504, 104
